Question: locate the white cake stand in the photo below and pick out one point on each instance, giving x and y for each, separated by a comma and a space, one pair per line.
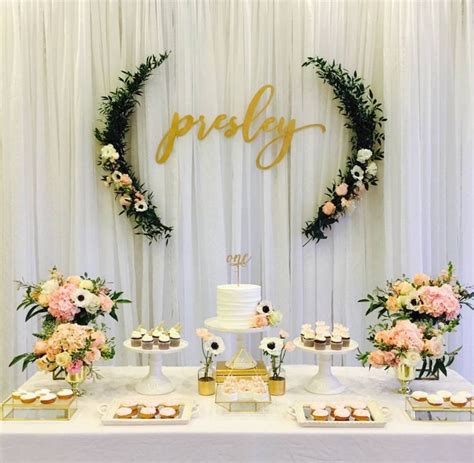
242, 359
155, 383
324, 382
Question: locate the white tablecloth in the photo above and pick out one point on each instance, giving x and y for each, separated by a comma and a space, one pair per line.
218, 435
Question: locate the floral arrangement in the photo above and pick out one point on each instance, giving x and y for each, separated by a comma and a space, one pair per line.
414, 315
76, 299
117, 108
364, 119
276, 348
69, 347
266, 315
211, 346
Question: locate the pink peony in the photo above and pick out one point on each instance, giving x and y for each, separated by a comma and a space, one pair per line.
329, 208
259, 321
106, 303
439, 301
75, 367
61, 306
40, 348
342, 189
421, 279
406, 334
377, 359
289, 346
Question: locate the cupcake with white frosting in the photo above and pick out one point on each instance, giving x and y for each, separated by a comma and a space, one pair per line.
342, 414
164, 341
147, 342
175, 337
136, 339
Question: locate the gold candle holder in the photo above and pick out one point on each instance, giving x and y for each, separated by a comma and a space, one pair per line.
277, 386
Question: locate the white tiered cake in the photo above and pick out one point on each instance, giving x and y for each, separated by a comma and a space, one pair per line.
237, 304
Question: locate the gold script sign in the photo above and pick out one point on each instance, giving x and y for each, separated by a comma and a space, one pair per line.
237, 261
283, 129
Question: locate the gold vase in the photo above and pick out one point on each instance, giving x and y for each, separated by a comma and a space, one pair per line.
76, 379
206, 381
277, 386
405, 374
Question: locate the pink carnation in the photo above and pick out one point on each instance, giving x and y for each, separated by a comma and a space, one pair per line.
439, 301
61, 306
75, 367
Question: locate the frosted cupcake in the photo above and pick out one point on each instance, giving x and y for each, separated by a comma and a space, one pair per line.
167, 413
308, 339
28, 397
164, 342
435, 400
17, 394
49, 398
361, 415
147, 413
131, 404
458, 400
156, 336
175, 338
136, 339
147, 342
445, 395
320, 342
304, 328
320, 414
419, 396
123, 413
336, 342
172, 403
65, 394
342, 414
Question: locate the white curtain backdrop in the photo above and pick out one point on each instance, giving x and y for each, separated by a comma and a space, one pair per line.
57, 59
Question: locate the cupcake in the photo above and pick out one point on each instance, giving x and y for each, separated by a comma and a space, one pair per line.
320, 342
317, 406
147, 413
175, 338
147, 342
333, 406
320, 414
123, 413
320, 324
458, 400
17, 394
151, 403
419, 396
327, 335
336, 342
156, 336
142, 331
308, 339
172, 403
346, 339
304, 328
164, 342
341, 414
28, 398
131, 404
136, 339
49, 398
167, 413
445, 395
361, 414
65, 394
435, 400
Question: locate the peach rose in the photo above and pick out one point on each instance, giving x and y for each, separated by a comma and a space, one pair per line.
74, 280
377, 359
421, 279
125, 180
43, 300
329, 208
342, 189
259, 321
40, 348
98, 339
106, 303
202, 332
393, 305
289, 346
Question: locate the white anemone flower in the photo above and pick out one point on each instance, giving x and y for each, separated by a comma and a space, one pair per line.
117, 176
141, 206
272, 346
265, 307
357, 172
214, 346
81, 297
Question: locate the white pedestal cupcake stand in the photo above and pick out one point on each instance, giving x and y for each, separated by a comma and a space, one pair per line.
242, 359
324, 382
155, 383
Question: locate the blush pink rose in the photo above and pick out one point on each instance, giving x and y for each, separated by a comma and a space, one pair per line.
40, 348
391, 358
259, 321
92, 356
106, 303
421, 279
342, 189
125, 180
98, 339
75, 367
329, 208
377, 359
434, 346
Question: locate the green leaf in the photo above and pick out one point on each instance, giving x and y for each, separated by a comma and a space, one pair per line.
18, 358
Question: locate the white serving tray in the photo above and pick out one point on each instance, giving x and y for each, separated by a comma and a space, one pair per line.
187, 411
379, 417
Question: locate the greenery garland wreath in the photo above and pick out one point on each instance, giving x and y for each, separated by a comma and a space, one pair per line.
356, 103
117, 107
364, 119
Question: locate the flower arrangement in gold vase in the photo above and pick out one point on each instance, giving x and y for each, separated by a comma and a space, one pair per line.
414, 316
211, 347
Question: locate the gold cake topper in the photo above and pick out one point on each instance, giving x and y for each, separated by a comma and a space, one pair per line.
237, 261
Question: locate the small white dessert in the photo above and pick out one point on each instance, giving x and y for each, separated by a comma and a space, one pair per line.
357, 405
123, 412
419, 396
341, 414
317, 406
48, 398
446, 395
361, 414
142, 331
18, 393
41, 392
28, 397
65, 394
167, 413
435, 400
320, 414
458, 400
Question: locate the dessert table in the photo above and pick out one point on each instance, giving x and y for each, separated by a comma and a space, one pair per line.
218, 435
